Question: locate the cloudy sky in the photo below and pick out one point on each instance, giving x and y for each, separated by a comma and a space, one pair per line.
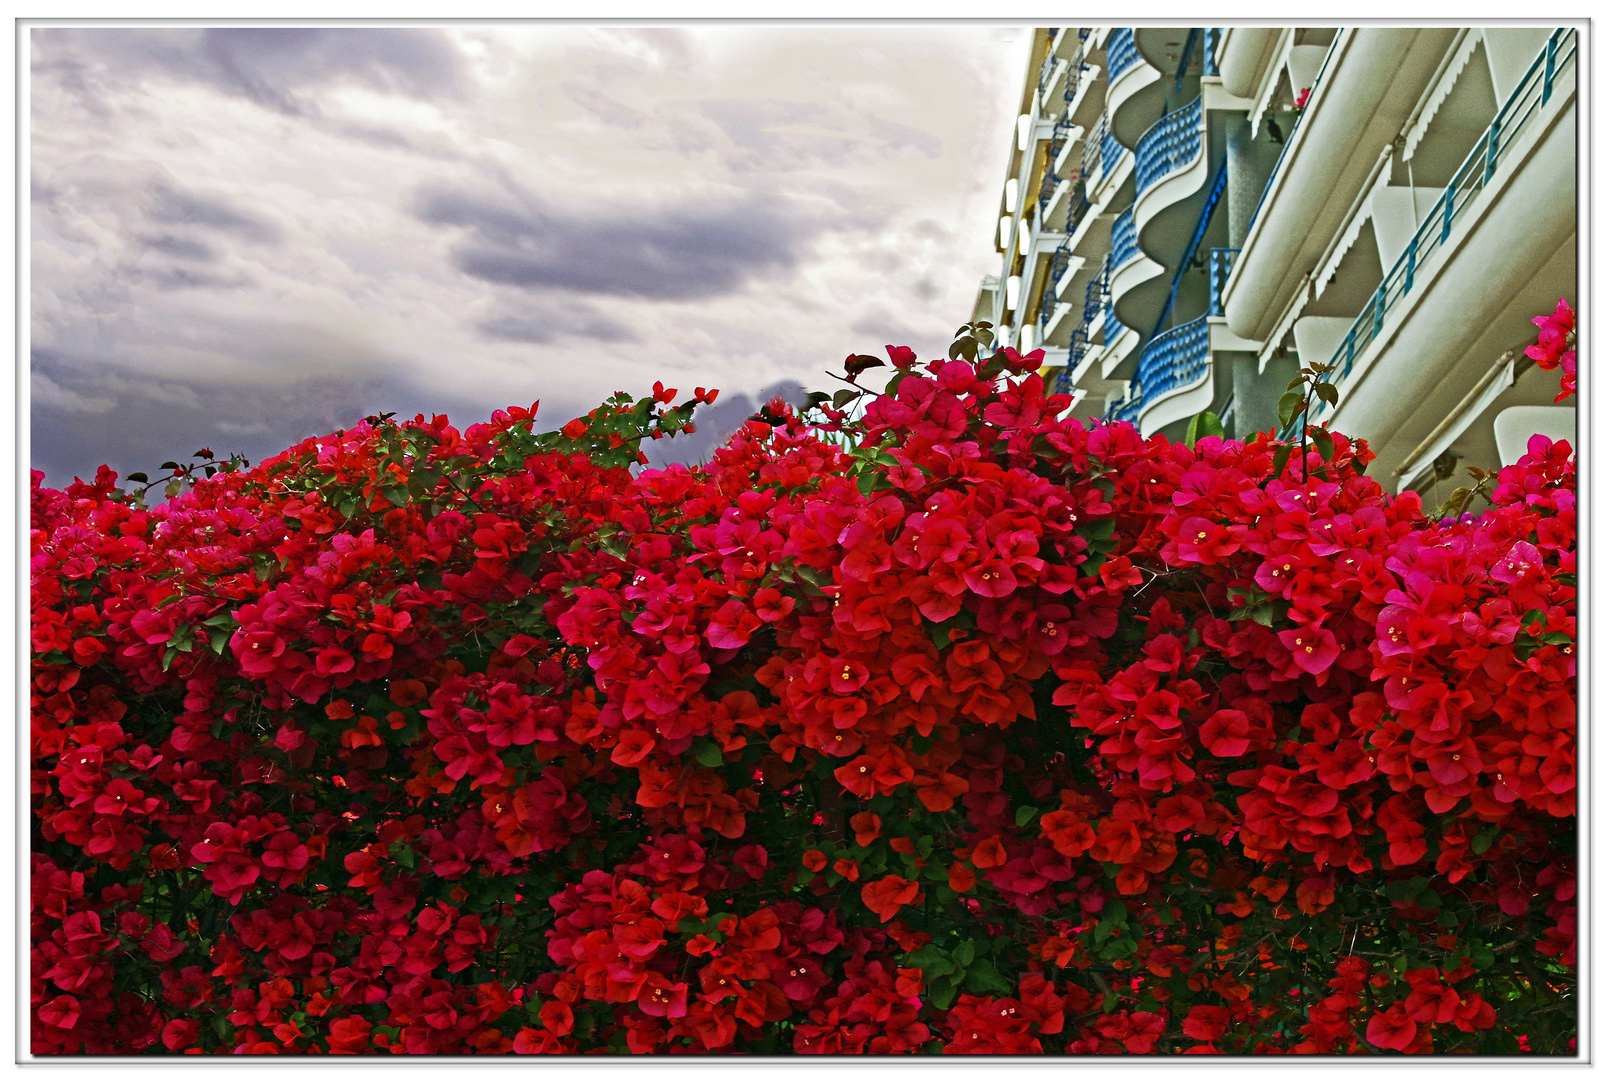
241, 237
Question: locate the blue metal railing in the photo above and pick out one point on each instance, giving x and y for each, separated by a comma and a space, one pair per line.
1172, 360
1112, 152
1219, 262
1102, 152
1111, 329
1472, 176
1123, 412
1121, 53
1047, 185
1125, 240
1047, 68
1092, 151
1167, 146
1095, 301
1058, 267
1209, 50
1080, 205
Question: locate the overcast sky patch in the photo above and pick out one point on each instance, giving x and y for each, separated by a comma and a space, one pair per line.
300, 227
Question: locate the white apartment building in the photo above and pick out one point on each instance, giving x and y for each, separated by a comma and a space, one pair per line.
1190, 214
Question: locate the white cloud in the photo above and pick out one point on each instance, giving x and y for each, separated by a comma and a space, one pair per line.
46, 394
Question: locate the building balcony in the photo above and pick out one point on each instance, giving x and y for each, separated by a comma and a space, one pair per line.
1168, 147
1171, 183
1138, 287
1135, 90
1121, 53
1440, 314
1364, 91
1174, 376
1106, 162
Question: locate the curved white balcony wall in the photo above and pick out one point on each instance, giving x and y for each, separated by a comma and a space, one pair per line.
1134, 100
1126, 279
1138, 285
1174, 376
1244, 56
1165, 213
1371, 83
1515, 426
1460, 313
1180, 404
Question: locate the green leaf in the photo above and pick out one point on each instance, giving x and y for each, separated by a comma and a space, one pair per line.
708, 755
1289, 403
931, 959
1202, 425
984, 979
1322, 442
404, 855
1327, 391
1281, 456
1482, 843
942, 997
1099, 530
1025, 814
138, 478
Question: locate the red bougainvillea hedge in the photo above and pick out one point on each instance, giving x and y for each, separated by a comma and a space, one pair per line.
955, 728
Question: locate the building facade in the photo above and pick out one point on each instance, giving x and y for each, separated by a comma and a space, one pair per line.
1191, 214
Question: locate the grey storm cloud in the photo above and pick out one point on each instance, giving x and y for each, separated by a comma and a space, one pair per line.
93, 412
689, 253
176, 207
240, 237
539, 330
180, 248
273, 66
